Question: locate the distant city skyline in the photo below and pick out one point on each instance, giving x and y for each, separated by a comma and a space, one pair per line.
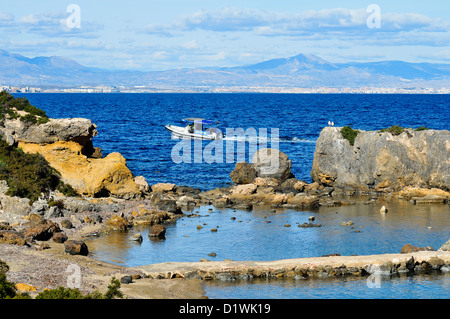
150, 35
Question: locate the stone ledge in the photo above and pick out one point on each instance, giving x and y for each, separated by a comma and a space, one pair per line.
309, 267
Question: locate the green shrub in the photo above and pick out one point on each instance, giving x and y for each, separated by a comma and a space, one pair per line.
67, 190
113, 289
422, 128
349, 134
7, 289
3, 267
58, 203
29, 175
10, 105
74, 293
61, 293
394, 130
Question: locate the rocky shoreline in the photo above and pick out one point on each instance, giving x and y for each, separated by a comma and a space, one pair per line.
39, 241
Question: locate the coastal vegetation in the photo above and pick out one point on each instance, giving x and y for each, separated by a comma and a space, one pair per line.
29, 175
113, 291
20, 108
394, 130
349, 134
422, 128
397, 130
8, 290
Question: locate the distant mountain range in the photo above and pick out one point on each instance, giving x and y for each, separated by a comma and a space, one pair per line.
297, 71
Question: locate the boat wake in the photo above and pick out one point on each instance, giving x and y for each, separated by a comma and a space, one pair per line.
255, 139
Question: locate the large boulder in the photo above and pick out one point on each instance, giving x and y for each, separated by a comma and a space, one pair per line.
15, 205
11, 237
269, 162
43, 230
76, 247
95, 177
382, 161
79, 130
243, 173
445, 246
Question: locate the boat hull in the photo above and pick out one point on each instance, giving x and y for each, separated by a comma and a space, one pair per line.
181, 132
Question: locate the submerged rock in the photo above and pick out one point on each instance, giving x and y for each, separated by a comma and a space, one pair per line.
408, 248
157, 231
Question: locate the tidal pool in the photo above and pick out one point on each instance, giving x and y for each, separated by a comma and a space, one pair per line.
262, 234
265, 234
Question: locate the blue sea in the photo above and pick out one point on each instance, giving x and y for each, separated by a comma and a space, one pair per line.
133, 124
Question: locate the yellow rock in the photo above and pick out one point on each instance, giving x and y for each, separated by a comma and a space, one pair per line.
409, 192
135, 213
163, 187
24, 287
89, 176
117, 222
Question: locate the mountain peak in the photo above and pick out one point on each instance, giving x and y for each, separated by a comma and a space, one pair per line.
301, 70
56, 62
296, 63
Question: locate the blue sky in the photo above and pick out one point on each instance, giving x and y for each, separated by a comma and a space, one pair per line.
159, 35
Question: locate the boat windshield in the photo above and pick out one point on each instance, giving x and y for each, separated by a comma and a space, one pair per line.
198, 123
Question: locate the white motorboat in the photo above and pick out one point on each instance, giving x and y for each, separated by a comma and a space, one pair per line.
196, 129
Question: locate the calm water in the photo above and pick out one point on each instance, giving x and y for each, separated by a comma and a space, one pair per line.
262, 235
400, 287
133, 124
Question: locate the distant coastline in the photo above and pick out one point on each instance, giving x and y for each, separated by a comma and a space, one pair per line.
297, 74
238, 89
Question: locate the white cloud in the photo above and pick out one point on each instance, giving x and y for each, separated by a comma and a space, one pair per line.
6, 18
340, 21
54, 24
438, 56
191, 45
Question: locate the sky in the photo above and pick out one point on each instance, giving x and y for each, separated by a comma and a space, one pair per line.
160, 35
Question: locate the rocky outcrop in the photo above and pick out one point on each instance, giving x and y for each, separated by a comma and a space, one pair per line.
67, 145
243, 173
381, 161
268, 181
78, 130
272, 163
266, 163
